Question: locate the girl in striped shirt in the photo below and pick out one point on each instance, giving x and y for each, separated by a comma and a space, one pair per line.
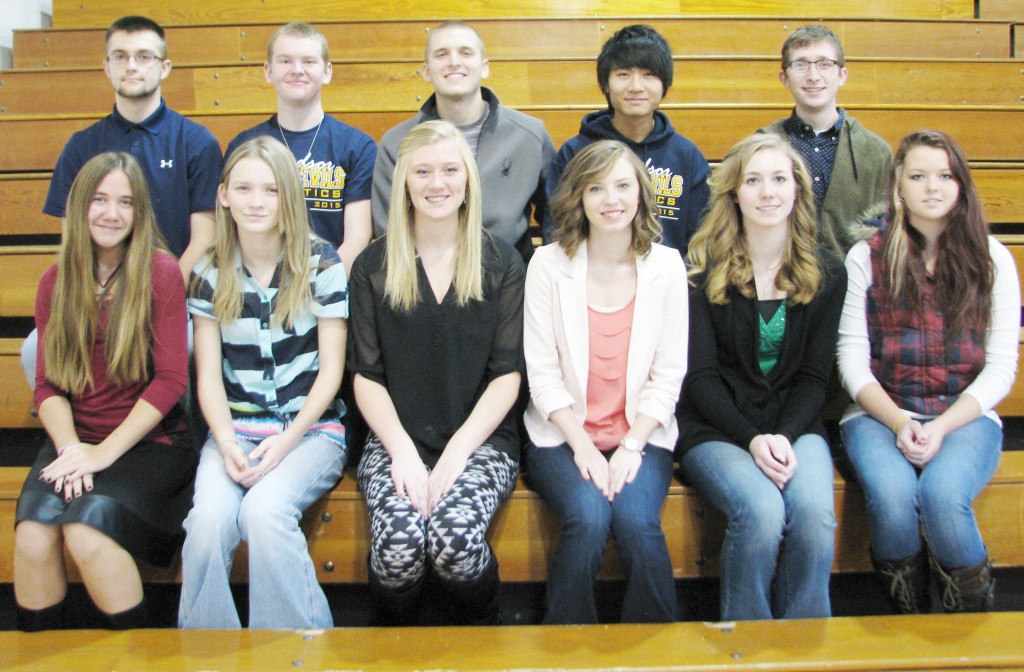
269, 303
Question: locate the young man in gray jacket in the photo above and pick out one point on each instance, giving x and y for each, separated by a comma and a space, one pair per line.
513, 150
848, 163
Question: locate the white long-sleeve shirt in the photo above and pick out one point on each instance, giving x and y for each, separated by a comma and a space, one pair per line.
1001, 339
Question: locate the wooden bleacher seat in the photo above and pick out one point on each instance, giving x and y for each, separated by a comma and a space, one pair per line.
370, 41
21, 204
1012, 10
15, 396
21, 267
948, 642
396, 86
524, 532
100, 13
33, 143
1001, 186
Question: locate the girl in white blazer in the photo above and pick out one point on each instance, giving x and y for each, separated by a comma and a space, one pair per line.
606, 341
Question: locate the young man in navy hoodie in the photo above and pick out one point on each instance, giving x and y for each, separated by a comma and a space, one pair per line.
634, 70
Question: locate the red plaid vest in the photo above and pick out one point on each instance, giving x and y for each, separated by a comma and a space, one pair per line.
910, 357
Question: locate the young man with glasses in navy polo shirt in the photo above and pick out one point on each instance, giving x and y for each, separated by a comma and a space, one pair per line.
848, 163
180, 158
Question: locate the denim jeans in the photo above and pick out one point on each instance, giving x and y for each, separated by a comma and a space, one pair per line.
901, 498
283, 588
588, 519
783, 535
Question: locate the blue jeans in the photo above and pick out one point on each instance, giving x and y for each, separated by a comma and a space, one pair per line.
588, 519
901, 499
283, 588
786, 536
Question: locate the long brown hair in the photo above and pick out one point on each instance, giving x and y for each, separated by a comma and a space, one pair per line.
74, 309
719, 247
964, 272
592, 163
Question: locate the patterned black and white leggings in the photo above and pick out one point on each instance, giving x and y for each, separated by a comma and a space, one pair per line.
453, 538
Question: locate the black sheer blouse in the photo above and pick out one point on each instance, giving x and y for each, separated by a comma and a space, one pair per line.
437, 360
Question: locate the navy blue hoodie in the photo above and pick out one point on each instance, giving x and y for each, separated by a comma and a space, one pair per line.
678, 171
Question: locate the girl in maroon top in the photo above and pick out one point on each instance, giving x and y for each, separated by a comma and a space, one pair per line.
114, 479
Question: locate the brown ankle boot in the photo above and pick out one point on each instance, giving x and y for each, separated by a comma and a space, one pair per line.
905, 583
967, 589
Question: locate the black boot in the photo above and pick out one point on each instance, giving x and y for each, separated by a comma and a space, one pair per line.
905, 583
475, 602
967, 589
38, 620
394, 608
129, 619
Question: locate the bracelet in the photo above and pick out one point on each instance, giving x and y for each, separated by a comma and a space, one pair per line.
227, 441
899, 423
60, 451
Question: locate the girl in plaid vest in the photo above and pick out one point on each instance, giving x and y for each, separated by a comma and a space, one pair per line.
927, 348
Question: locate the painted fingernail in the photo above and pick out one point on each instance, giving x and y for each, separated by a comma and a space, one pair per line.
88, 488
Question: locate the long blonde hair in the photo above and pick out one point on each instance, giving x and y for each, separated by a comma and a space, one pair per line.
401, 283
719, 248
295, 295
74, 309
594, 162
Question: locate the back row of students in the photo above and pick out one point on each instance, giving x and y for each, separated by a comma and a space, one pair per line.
343, 173
437, 335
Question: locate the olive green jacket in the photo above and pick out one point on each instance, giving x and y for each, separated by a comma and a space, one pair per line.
860, 176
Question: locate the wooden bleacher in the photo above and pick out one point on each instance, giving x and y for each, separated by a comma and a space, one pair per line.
1001, 186
33, 142
100, 13
524, 533
388, 86
892, 643
540, 38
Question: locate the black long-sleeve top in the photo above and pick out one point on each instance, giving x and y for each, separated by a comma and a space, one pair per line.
726, 397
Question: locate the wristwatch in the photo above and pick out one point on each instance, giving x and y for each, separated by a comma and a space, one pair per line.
632, 445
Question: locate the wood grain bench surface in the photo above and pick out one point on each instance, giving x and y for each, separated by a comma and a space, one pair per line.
34, 142
516, 38
874, 643
524, 532
398, 86
100, 13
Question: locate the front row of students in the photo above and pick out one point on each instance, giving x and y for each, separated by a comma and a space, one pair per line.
441, 315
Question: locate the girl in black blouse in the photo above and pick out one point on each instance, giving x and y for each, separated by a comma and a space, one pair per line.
436, 329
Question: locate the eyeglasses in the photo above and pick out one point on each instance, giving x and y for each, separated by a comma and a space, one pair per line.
142, 58
825, 66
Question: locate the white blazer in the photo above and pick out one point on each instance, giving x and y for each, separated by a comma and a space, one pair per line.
556, 340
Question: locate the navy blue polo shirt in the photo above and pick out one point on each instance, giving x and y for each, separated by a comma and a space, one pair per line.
181, 160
